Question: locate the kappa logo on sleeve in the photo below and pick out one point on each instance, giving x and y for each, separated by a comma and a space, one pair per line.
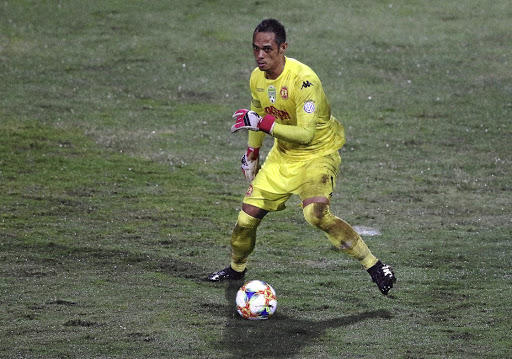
306, 84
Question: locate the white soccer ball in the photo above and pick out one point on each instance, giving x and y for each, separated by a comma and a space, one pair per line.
256, 300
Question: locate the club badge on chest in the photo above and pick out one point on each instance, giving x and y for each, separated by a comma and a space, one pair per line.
272, 93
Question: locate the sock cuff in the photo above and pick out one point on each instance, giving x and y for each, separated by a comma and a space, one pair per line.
246, 221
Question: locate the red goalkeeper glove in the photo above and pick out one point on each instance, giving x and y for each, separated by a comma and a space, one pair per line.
250, 163
250, 120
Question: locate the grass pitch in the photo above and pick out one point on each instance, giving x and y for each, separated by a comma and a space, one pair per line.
119, 181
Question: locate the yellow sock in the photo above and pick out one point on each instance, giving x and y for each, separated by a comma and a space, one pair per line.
243, 240
340, 233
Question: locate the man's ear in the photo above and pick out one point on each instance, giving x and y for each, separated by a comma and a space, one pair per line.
283, 47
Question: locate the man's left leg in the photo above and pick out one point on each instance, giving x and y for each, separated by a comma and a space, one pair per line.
344, 237
318, 182
340, 233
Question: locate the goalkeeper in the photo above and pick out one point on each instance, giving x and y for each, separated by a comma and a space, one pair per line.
288, 103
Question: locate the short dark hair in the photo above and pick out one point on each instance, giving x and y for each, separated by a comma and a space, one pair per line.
274, 26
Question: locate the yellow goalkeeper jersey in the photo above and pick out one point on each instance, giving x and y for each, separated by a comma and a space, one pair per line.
304, 127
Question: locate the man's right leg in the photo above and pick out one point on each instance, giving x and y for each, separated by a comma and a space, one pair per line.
243, 241
243, 238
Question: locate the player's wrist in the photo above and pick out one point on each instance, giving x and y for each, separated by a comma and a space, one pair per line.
252, 152
267, 123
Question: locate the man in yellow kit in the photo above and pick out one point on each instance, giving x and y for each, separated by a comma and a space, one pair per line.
288, 103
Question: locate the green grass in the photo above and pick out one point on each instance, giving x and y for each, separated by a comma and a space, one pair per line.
119, 180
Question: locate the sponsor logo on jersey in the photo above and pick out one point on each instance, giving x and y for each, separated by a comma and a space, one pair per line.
249, 191
277, 113
306, 84
284, 93
309, 107
272, 93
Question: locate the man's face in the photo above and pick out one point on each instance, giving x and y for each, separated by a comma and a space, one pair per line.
269, 57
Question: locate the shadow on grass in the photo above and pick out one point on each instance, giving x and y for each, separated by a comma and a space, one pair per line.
281, 336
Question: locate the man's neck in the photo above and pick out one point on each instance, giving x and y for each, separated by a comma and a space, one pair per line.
275, 74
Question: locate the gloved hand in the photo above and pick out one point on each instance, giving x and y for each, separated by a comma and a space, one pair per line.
250, 163
250, 120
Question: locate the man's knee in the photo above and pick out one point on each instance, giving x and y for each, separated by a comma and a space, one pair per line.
315, 213
247, 221
253, 211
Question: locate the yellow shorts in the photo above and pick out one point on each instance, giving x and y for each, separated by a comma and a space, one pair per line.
278, 180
